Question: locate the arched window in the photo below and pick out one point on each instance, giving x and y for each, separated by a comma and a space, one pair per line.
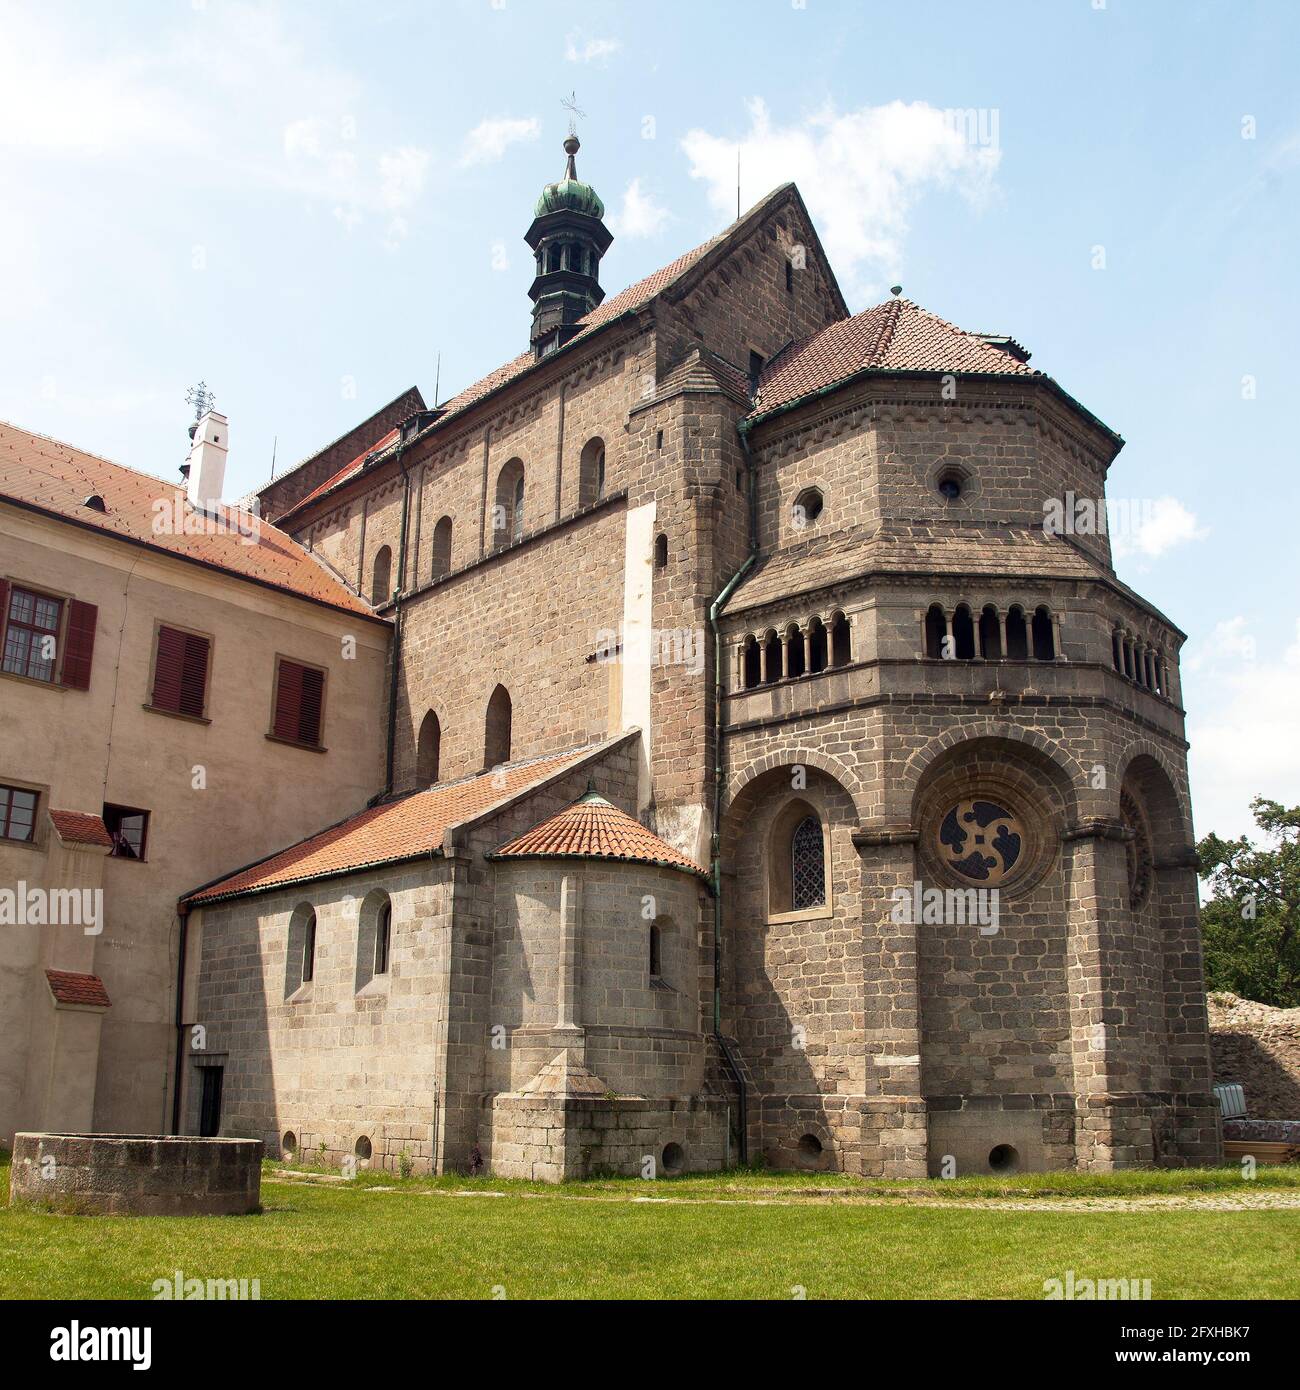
1017, 635
381, 576
383, 938
1043, 636
990, 633
797, 861
772, 657
963, 634
656, 952
374, 938
661, 551
508, 514
936, 629
795, 662
441, 559
841, 650
496, 732
816, 645
553, 256
309, 949
751, 663
591, 473
807, 865
1116, 655
428, 750
300, 953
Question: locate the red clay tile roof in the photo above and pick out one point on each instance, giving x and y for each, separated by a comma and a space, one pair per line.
55, 478
891, 337
593, 829
68, 987
403, 829
354, 466
81, 828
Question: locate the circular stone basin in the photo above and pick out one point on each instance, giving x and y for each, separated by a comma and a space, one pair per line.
138, 1174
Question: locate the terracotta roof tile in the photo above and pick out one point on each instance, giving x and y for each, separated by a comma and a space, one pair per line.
594, 829
395, 830
57, 478
894, 336
81, 828
68, 987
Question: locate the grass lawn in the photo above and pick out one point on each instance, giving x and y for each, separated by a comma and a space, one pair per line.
746, 1235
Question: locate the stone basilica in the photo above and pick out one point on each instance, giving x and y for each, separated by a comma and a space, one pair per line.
756, 777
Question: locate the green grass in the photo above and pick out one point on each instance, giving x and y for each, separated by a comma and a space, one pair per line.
533, 1241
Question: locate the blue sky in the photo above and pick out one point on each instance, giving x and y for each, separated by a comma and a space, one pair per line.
305, 205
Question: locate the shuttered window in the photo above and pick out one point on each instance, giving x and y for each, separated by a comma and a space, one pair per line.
299, 700
29, 637
180, 672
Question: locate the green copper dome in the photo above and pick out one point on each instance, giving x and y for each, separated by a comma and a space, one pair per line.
569, 194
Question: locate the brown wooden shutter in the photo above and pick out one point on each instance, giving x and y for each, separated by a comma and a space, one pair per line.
299, 699
313, 694
180, 674
288, 697
79, 644
194, 674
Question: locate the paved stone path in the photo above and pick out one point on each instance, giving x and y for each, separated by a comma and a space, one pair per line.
1262, 1199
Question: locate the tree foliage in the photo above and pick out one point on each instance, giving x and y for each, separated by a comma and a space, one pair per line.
1251, 926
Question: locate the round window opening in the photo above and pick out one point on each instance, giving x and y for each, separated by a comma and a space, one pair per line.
950, 486
289, 1143
809, 1151
363, 1149
674, 1160
982, 842
807, 508
1004, 1159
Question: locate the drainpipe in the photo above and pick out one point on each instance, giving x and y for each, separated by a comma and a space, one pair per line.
715, 868
396, 650
184, 914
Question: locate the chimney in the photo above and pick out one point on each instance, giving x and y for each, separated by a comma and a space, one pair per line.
206, 466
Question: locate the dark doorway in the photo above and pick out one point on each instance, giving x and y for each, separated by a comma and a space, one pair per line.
210, 1104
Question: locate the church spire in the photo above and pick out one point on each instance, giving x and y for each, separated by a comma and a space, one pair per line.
568, 237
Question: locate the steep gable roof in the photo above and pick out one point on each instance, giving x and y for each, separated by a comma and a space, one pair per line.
56, 479
406, 828
674, 276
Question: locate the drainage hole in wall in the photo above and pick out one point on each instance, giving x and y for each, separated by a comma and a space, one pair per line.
809, 1151
362, 1149
1004, 1159
674, 1160
289, 1143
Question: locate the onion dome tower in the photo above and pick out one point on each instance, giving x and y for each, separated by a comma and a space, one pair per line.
568, 238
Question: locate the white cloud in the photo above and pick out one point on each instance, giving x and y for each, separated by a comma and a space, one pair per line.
578, 50
861, 172
1241, 727
1150, 527
640, 215
192, 107
490, 139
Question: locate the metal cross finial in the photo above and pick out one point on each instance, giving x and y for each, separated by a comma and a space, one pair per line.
201, 399
570, 104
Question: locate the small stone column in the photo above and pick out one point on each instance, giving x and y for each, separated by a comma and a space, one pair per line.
568, 1001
